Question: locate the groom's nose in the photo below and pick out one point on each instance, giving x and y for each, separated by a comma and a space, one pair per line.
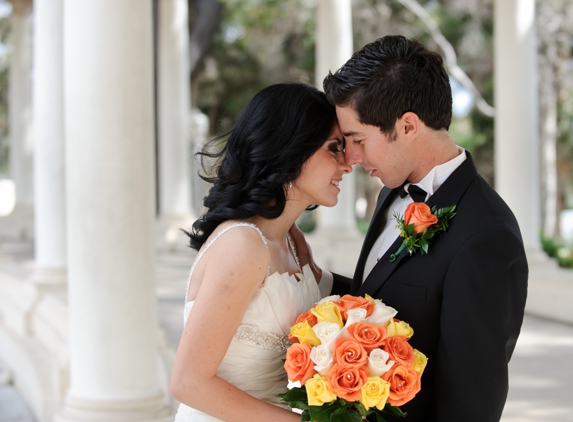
353, 153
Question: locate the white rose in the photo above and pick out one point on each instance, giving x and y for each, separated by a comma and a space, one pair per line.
355, 315
381, 313
322, 357
334, 298
292, 385
327, 332
378, 362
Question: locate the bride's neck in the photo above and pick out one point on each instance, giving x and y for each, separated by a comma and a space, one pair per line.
277, 229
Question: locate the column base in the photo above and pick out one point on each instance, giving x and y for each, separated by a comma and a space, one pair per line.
19, 224
50, 277
152, 409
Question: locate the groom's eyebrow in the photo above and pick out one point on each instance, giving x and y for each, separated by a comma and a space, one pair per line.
351, 133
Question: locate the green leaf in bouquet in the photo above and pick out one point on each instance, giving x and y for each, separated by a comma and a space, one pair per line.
342, 414
320, 413
305, 416
296, 398
361, 409
394, 411
379, 417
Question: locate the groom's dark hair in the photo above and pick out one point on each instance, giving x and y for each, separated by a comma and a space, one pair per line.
389, 77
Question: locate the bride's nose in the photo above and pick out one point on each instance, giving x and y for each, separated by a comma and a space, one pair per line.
344, 166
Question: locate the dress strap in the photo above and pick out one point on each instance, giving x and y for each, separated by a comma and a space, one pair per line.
208, 245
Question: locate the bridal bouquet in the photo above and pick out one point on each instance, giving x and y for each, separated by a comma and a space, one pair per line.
351, 358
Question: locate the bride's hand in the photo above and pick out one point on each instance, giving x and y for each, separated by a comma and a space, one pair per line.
304, 251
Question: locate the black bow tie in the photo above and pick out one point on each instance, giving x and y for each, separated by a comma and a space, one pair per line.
417, 193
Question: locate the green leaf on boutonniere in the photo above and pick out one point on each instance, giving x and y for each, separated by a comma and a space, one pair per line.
413, 241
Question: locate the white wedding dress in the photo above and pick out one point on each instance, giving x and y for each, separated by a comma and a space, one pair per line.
254, 360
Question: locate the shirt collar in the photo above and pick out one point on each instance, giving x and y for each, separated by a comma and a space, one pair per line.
438, 175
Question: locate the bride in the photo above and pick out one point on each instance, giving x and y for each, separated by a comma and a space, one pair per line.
246, 286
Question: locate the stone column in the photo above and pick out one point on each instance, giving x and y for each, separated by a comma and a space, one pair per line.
517, 174
50, 233
174, 106
20, 222
333, 48
108, 69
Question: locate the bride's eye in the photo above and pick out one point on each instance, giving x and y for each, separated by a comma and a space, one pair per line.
335, 147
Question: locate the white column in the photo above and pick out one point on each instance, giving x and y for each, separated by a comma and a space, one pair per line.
334, 47
174, 105
20, 223
50, 233
517, 174
108, 86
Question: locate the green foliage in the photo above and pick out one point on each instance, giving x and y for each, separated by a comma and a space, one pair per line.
306, 222
555, 249
260, 42
4, 65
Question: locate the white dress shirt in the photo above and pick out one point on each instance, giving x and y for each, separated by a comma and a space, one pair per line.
430, 183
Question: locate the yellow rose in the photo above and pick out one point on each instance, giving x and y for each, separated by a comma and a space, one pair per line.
317, 391
399, 328
375, 392
420, 361
328, 312
370, 298
305, 334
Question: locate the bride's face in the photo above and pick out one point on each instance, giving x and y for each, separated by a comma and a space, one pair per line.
322, 172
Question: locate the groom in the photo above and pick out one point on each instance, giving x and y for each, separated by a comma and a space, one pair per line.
465, 297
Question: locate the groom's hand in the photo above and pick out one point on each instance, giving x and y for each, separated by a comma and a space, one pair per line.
304, 252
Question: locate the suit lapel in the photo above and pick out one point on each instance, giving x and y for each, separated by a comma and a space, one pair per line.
448, 194
378, 222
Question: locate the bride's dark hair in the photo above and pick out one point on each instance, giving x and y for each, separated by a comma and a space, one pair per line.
279, 129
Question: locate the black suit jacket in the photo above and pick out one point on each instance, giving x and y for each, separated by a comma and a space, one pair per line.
464, 299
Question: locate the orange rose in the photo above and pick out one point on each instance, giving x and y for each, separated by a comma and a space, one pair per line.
404, 384
420, 215
348, 302
298, 365
349, 353
347, 382
368, 335
308, 317
399, 350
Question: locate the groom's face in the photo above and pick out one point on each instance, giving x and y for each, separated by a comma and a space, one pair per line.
381, 155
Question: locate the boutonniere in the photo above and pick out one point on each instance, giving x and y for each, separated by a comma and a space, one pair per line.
419, 225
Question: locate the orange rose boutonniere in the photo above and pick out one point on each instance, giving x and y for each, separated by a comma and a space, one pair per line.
419, 225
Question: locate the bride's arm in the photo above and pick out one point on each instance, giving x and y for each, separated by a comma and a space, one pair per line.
234, 267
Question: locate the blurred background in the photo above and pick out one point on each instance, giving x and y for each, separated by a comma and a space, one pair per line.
103, 104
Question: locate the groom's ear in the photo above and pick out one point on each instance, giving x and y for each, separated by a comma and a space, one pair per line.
409, 125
